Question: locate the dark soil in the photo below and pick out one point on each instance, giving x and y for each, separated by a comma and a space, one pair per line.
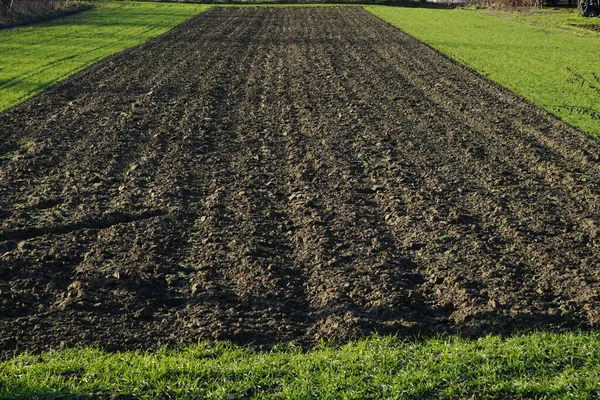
267, 175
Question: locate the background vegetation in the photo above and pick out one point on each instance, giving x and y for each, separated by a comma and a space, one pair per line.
21, 12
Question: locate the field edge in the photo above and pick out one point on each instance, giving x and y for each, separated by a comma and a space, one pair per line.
519, 366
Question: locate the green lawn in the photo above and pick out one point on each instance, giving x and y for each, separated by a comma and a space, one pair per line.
35, 57
527, 53
540, 365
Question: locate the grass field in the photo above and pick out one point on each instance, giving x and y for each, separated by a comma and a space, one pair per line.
540, 365
527, 53
36, 57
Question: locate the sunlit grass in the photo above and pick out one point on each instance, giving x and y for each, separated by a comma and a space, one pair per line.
35, 57
538, 365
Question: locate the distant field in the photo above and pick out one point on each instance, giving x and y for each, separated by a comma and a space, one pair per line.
527, 53
36, 57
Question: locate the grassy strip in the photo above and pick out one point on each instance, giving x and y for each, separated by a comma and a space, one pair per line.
531, 54
36, 57
538, 365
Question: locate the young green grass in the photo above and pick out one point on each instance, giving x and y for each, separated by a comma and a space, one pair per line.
530, 54
36, 57
536, 365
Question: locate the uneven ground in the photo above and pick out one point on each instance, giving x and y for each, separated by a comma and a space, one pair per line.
268, 175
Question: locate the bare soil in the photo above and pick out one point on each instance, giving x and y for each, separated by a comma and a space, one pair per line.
290, 175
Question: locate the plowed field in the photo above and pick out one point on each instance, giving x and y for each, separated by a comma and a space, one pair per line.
267, 175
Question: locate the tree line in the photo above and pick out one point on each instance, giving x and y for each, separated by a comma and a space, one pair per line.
16, 8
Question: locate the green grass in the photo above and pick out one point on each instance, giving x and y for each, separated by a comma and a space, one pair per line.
538, 365
36, 57
527, 53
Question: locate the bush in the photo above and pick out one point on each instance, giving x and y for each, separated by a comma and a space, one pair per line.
18, 9
508, 4
19, 12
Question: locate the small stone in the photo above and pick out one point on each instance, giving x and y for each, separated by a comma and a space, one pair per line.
76, 285
76, 289
53, 251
